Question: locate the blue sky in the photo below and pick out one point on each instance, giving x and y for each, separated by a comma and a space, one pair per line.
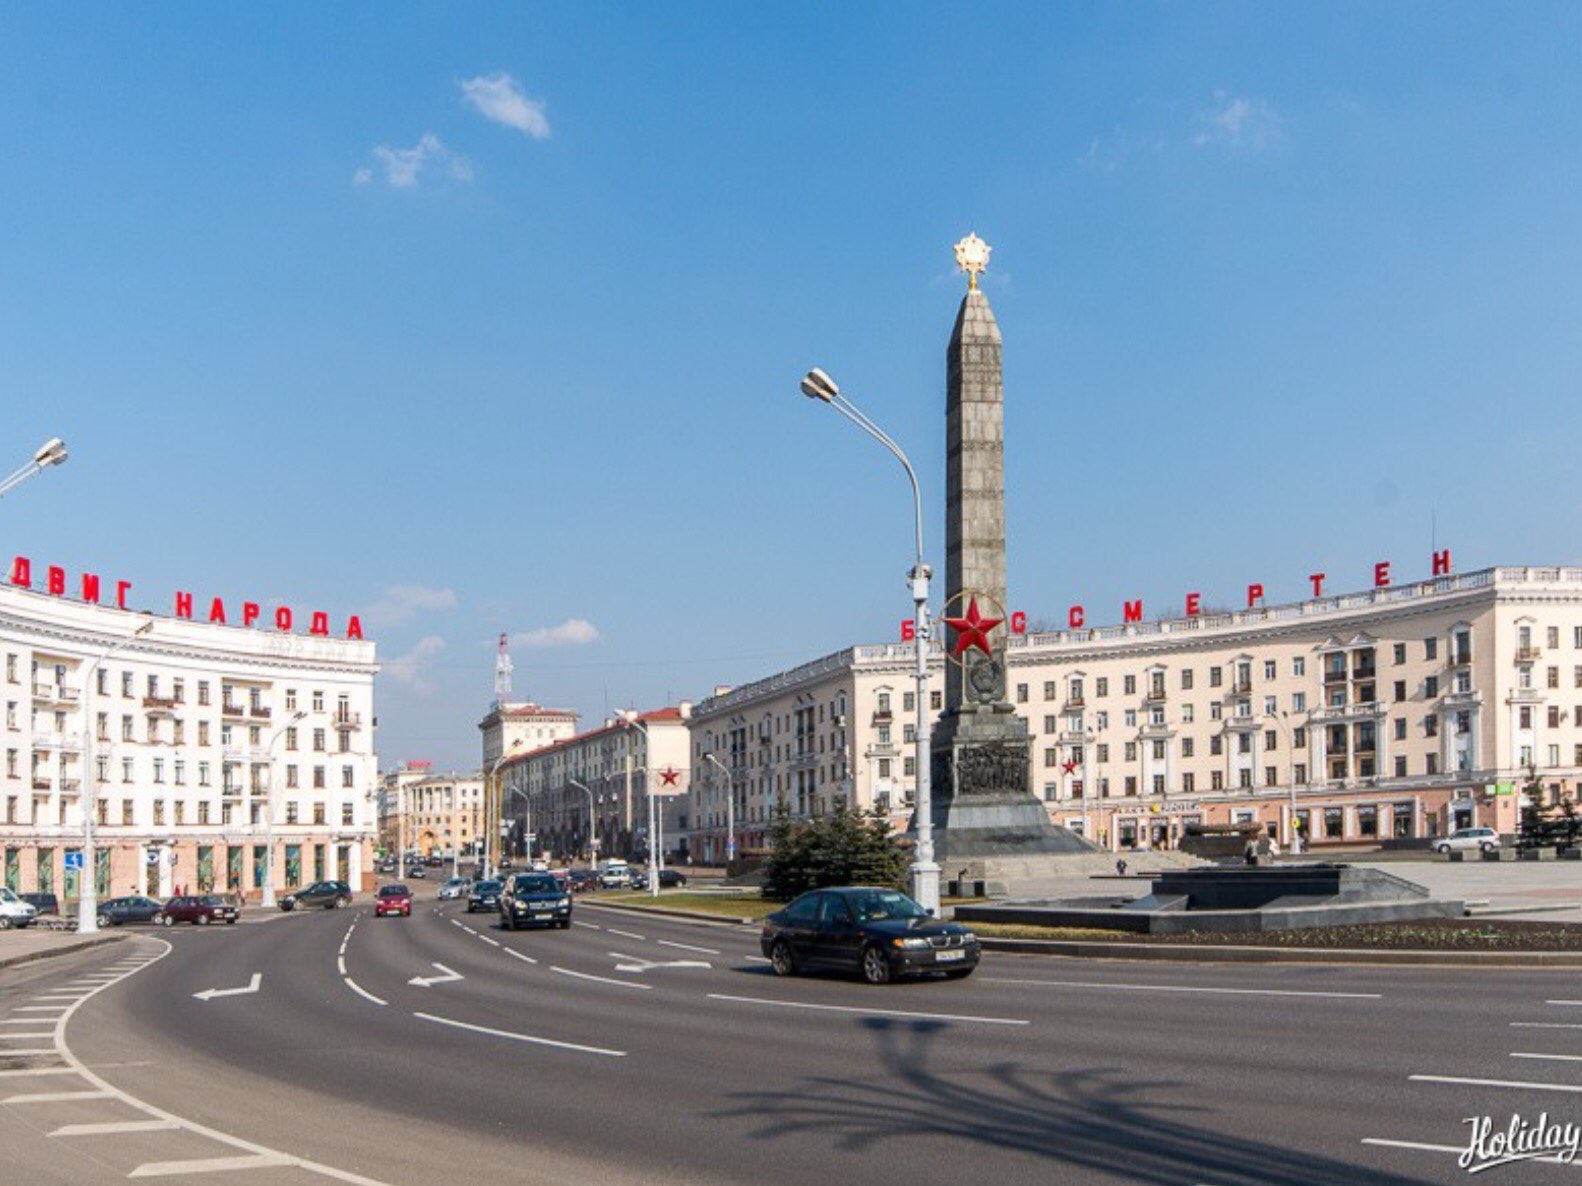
328, 309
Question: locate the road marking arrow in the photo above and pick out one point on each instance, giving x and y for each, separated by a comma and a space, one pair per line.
637, 963
209, 994
426, 981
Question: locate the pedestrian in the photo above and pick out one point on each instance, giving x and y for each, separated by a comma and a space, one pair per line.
1120, 866
1250, 853
1274, 849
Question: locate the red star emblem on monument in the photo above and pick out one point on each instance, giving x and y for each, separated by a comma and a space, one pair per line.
669, 776
973, 630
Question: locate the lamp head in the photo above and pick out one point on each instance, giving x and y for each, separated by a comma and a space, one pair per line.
816, 384
51, 452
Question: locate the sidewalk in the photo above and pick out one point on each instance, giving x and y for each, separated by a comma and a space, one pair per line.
21, 946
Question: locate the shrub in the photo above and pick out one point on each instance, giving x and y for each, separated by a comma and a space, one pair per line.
845, 848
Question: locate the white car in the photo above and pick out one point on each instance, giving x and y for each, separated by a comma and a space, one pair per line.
1466, 839
616, 875
456, 887
14, 912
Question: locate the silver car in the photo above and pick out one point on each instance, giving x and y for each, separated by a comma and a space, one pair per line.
1466, 839
456, 887
14, 912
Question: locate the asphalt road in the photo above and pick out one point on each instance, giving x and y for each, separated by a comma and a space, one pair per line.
633, 1049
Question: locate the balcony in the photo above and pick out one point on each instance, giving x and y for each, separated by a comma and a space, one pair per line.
232, 710
1528, 654
1368, 672
1461, 659
1460, 699
1077, 701
1335, 675
1343, 712
54, 693
1241, 687
882, 716
159, 705
1242, 723
1155, 695
65, 742
259, 713
41, 784
347, 720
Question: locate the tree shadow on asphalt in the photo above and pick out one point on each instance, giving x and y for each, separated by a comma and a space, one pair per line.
1097, 1118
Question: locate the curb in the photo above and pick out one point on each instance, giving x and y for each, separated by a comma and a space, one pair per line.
1219, 954
45, 953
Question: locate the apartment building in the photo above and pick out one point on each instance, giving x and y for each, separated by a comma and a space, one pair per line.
429, 812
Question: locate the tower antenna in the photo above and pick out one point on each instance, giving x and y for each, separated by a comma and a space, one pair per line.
502, 672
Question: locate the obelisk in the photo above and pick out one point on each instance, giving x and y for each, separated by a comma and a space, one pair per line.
983, 806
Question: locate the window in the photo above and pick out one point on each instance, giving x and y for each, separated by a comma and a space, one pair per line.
159, 811
347, 813
1270, 669
1271, 740
1130, 685
1215, 710
318, 778
1129, 717
318, 701
884, 767
159, 769
318, 813
1299, 773
1215, 677
1216, 780
1298, 701
1271, 705
1186, 679
1159, 784
1021, 693
1299, 666
1159, 751
1131, 751
318, 739
1430, 648
203, 774
1101, 720
1216, 745
1186, 714
1049, 724
291, 777
203, 692
1188, 783
1400, 728
1104, 751
1431, 686
126, 769
1076, 689
1131, 784
1552, 637
1186, 747
1244, 778
1101, 686
936, 700
1051, 756
291, 811
908, 703
1524, 716
1271, 776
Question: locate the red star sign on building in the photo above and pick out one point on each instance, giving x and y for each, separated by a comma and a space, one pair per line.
973, 630
1069, 765
669, 777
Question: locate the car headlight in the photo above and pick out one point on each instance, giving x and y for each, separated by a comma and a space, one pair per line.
563, 902
912, 944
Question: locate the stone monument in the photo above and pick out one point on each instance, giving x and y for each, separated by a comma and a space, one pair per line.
984, 810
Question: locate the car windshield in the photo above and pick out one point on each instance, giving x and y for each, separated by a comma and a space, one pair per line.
210, 900
879, 905
6, 895
487, 887
393, 891
541, 884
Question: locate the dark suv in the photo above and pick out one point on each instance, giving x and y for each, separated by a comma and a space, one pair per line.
328, 895
532, 898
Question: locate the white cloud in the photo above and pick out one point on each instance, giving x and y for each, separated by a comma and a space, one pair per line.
408, 669
573, 632
403, 168
1239, 122
498, 97
401, 602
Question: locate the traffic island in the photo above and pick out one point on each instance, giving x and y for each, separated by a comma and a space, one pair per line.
24, 946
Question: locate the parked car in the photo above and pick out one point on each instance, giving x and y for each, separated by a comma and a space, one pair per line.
43, 903
615, 875
583, 881
1466, 839
434, 861
416, 871
456, 887
201, 909
671, 878
14, 912
119, 911
880, 933
393, 899
637, 879
328, 895
484, 895
535, 898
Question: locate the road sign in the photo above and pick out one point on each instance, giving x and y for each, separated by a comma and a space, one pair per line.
74, 862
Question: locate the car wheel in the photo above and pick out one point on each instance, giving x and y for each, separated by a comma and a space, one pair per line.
1486, 846
342, 903
203, 920
781, 958
105, 922
5, 923
565, 924
1442, 849
875, 965
164, 920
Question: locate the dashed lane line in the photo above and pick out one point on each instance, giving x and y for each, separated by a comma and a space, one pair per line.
1550, 1057
361, 991
114, 1128
720, 996
532, 1039
340, 962
590, 926
627, 934
1563, 1002
600, 979
687, 947
1512, 1083
1198, 988
526, 959
1548, 1025
210, 1165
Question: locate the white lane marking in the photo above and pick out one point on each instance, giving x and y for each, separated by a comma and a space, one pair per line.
429, 981
515, 1037
113, 1128
720, 996
55, 1097
360, 990
1563, 1002
1551, 1057
1548, 1025
209, 1165
1240, 992
340, 964
511, 951
600, 979
1427, 1148
41, 1009
27, 1036
627, 934
209, 994
636, 963
590, 926
37, 1071
60, 996
758, 959
687, 947
491, 942
24, 1020
1572, 1087
20, 1053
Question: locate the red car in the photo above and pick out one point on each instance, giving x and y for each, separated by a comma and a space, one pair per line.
201, 909
393, 899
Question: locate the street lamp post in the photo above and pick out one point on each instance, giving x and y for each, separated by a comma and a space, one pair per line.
593, 823
494, 772
817, 385
1087, 780
268, 900
730, 808
88, 796
630, 721
51, 452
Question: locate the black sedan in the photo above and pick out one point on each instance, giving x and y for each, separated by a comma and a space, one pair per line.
485, 895
327, 895
879, 933
534, 898
670, 879
120, 911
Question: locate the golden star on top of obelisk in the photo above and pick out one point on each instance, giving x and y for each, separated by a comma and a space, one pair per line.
972, 257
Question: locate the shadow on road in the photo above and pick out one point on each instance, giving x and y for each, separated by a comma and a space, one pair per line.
1097, 1118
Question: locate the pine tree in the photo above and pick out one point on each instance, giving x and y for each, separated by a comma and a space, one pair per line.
1535, 829
844, 848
